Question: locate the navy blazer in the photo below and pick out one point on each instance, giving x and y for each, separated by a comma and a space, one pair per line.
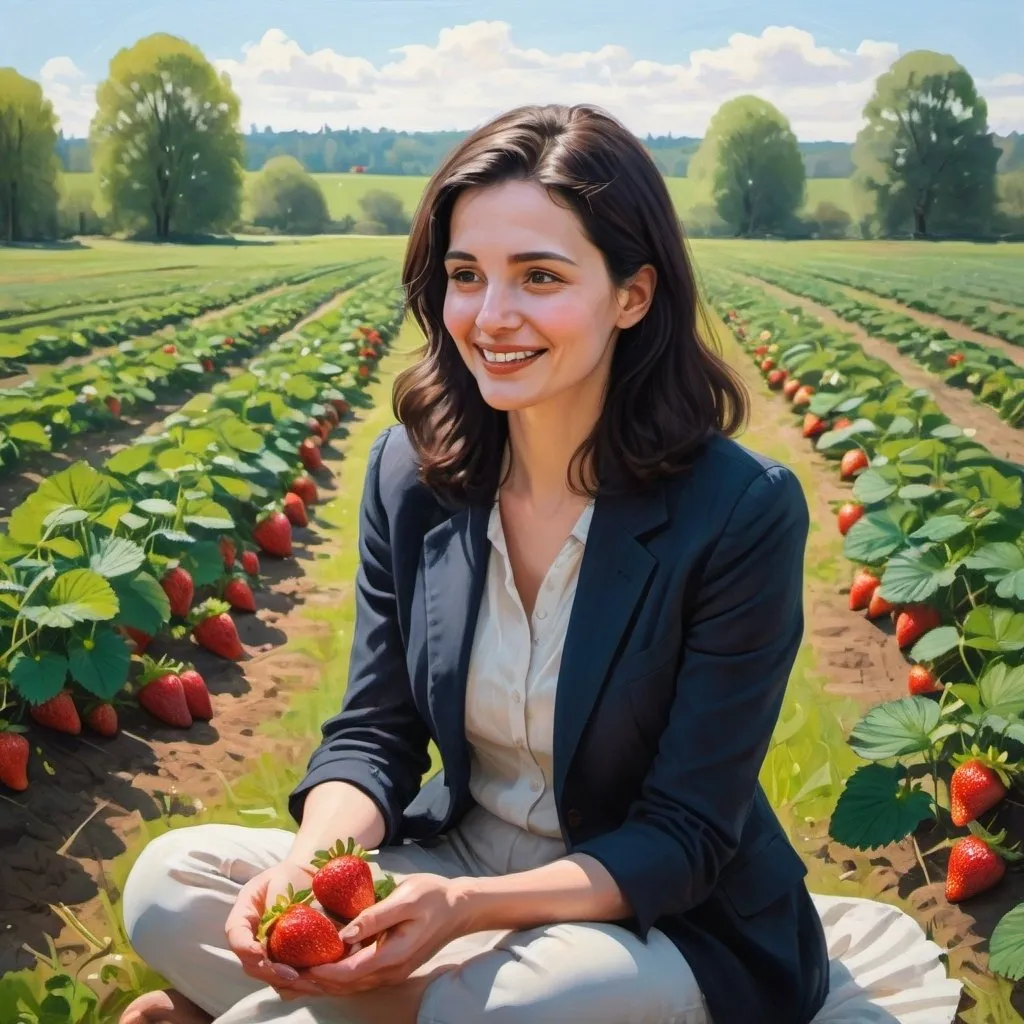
685, 626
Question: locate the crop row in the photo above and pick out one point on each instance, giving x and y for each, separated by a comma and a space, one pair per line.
46, 411
934, 527
166, 537
985, 372
50, 342
975, 313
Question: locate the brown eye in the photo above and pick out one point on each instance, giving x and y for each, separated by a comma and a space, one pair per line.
454, 275
551, 279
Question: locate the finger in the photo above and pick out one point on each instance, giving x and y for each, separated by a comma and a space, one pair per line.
377, 919
243, 921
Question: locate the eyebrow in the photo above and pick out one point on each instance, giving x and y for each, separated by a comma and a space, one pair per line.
519, 257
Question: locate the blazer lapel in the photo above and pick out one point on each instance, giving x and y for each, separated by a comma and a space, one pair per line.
455, 557
613, 575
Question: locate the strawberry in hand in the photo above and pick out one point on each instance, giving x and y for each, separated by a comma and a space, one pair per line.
299, 935
343, 882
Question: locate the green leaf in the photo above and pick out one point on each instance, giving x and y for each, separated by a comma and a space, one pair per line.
240, 436
66, 515
144, 605
915, 575
204, 562
1003, 564
988, 628
80, 595
1001, 689
103, 670
940, 528
157, 506
130, 460
873, 538
133, 522
915, 492
935, 643
875, 809
66, 547
895, 728
1006, 946
39, 678
117, 556
209, 515
31, 433
871, 487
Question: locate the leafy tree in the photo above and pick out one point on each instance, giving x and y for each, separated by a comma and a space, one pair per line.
384, 208
831, 220
752, 161
925, 152
166, 140
28, 159
286, 197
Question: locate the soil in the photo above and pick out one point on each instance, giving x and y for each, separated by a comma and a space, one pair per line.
958, 404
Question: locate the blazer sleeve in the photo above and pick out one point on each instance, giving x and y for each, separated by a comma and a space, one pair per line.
378, 742
739, 649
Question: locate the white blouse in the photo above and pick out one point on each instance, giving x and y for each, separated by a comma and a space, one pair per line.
510, 689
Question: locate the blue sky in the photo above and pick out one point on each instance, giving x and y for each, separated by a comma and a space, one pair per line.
987, 36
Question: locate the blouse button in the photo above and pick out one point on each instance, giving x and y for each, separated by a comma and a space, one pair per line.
542, 614
573, 818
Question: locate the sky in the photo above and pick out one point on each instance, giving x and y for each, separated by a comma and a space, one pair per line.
661, 66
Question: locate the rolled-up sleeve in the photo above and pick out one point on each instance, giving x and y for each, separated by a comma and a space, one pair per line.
378, 742
740, 647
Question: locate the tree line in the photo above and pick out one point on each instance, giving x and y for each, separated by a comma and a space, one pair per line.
170, 157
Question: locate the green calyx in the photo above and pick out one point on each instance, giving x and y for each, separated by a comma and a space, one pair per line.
340, 849
283, 903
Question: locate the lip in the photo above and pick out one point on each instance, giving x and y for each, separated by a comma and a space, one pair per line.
504, 369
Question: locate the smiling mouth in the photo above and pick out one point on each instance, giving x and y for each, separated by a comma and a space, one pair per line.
509, 360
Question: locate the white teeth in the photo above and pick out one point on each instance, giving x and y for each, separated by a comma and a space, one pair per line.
506, 357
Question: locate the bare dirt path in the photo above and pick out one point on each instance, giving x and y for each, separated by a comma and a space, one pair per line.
957, 403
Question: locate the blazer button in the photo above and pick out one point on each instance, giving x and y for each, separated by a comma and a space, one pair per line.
573, 818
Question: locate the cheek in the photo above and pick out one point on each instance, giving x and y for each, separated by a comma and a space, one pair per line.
573, 323
460, 312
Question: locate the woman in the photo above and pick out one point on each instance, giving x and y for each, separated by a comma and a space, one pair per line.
589, 597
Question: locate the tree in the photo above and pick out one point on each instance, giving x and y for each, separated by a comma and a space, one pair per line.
751, 159
831, 220
925, 152
166, 140
384, 208
28, 159
286, 197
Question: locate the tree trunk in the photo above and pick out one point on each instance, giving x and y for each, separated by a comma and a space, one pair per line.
920, 224
13, 225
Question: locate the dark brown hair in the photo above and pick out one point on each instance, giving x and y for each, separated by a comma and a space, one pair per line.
669, 390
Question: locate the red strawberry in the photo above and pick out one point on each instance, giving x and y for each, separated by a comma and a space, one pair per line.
853, 462
161, 693
865, 583
921, 680
295, 510
141, 640
197, 696
954, 359
228, 551
814, 425
848, 515
58, 713
791, 387
208, 365
178, 587
316, 428
974, 789
331, 416
973, 867
102, 718
230, 341
299, 935
760, 350
767, 364
878, 606
273, 533
251, 563
305, 488
239, 595
343, 882
775, 378
169, 350
113, 403
215, 630
14, 751
364, 371
340, 406
843, 421
309, 453
803, 395
914, 621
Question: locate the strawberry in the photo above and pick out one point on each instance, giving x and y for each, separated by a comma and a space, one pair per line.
207, 365
273, 533
848, 515
197, 696
215, 630
251, 563
228, 552
305, 488
161, 693
309, 453
179, 588
364, 371
141, 640
843, 421
316, 428
58, 713
878, 606
921, 680
299, 935
814, 425
14, 751
230, 341
791, 387
913, 622
331, 416
954, 359
343, 882
295, 510
113, 403
775, 379
102, 718
974, 789
169, 350
853, 462
340, 406
760, 351
767, 365
973, 867
864, 585
803, 395
239, 595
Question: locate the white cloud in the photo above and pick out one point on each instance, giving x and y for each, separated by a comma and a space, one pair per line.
473, 71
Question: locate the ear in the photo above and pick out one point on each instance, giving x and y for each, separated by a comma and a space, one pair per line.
635, 296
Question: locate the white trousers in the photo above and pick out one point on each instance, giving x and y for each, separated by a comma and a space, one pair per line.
185, 882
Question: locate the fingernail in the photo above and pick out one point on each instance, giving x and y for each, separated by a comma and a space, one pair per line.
286, 972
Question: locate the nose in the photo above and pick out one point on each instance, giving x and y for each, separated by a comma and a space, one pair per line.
497, 314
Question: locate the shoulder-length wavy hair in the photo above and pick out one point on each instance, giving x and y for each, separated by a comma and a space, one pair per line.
669, 390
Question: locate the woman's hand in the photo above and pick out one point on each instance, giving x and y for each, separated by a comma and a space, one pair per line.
398, 935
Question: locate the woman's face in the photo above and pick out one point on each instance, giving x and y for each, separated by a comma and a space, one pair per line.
530, 303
